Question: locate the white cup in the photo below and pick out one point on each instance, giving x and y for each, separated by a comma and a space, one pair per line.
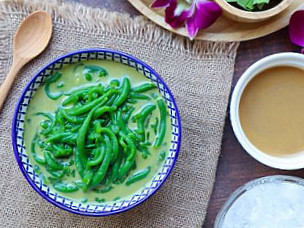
287, 162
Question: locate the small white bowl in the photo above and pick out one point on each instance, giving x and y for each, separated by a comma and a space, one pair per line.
288, 162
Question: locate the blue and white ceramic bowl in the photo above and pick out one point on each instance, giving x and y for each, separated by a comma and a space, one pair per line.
55, 198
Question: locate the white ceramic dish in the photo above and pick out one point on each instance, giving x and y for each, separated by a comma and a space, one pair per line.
288, 162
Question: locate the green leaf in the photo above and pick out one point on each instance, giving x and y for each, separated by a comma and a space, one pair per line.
250, 5
243, 3
261, 2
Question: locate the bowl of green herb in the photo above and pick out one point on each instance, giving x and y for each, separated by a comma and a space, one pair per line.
249, 11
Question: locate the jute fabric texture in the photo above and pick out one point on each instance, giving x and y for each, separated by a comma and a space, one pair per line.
198, 73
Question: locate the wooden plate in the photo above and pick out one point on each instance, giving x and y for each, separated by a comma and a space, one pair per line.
224, 29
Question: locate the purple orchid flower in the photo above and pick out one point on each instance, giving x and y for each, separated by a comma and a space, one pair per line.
195, 14
296, 29
160, 3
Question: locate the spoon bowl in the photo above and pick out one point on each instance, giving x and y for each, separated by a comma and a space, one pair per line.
31, 38
33, 35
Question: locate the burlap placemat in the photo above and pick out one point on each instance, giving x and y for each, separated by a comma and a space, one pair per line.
199, 75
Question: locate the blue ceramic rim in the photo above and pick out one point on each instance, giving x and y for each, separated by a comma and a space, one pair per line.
29, 180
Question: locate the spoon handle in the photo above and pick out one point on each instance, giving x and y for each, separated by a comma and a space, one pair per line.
9, 80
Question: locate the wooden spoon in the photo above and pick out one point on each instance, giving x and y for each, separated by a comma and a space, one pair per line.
31, 38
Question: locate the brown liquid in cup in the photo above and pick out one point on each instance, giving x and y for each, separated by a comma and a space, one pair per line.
271, 110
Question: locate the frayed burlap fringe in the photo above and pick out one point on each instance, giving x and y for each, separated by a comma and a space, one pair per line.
117, 24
